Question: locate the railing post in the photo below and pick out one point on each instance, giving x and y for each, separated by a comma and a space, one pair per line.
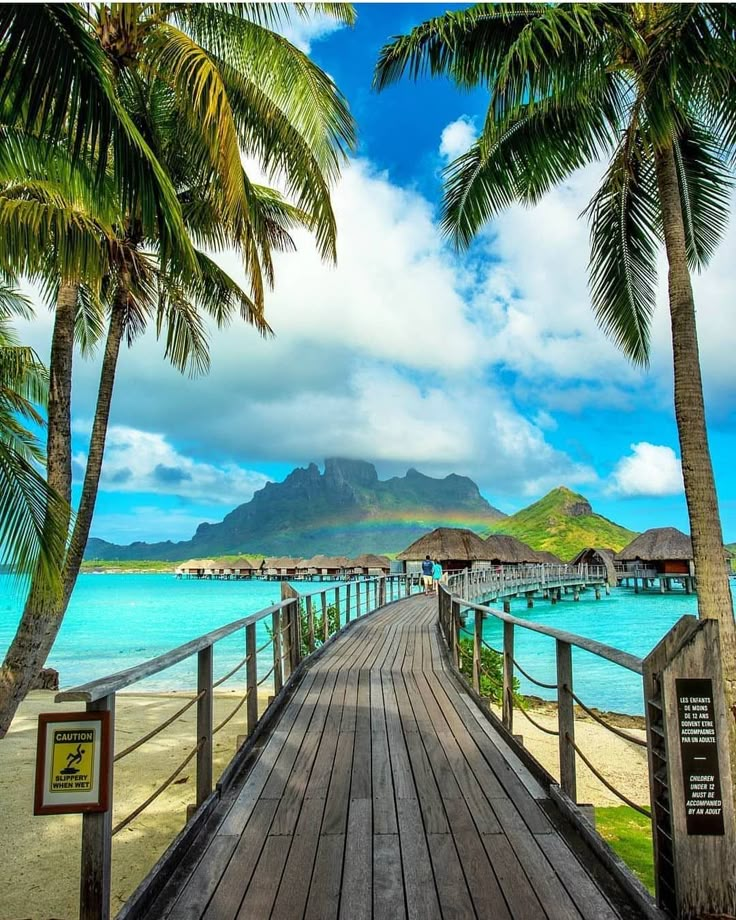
310, 622
566, 719
325, 618
347, 603
357, 599
278, 678
94, 892
477, 645
295, 634
204, 724
287, 640
455, 643
508, 676
251, 676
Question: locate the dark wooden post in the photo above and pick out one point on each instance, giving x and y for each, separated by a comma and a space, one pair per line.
566, 719
94, 892
691, 789
204, 724
508, 676
295, 634
278, 677
325, 618
477, 645
286, 641
251, 676
347, 603
310, 622
357, 599
454, 622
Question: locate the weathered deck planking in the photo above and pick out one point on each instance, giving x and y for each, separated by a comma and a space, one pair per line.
382, 792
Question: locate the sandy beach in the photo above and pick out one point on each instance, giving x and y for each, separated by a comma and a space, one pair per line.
43, 857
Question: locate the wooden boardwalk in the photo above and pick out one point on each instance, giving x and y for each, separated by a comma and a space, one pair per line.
383, 792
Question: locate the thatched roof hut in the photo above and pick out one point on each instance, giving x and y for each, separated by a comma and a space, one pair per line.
598, 556
241, 566
504, 549
279, 565
323, 565
454, 547
370, 564
664, 549
548, 558
197, 567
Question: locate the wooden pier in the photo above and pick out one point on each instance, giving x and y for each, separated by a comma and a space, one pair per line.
383, 791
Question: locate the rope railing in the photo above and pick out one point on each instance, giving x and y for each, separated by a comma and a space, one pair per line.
234, 712
162, 788
611, 728
265, 645
607, 783
159, 728
547, 731
266, 675
238, 666
533, 679
490, 647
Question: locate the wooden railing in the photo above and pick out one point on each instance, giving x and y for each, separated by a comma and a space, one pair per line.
505, 581
293, 634
462, 618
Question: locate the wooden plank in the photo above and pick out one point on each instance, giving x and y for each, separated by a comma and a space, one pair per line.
421, 895
589, 899
336, 810
356, 901
517, 889
293, 892
290, 805
324, 892
201, 885
451, 886
485, 891
229, 894
388, 883
433, 810
262, 890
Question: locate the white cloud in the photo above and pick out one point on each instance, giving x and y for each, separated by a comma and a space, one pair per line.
457, 137
141, 461
651, 469
303, 32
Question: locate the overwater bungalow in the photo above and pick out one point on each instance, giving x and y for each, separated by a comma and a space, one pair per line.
548, 558
504, 549
456, 548
369, 565
598, 556
279, 567
241, 568
323, 567
664, 554
196, 568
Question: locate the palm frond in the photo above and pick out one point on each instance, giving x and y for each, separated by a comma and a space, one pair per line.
625, 218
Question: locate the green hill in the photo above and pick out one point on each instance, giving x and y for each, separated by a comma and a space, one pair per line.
563, 523
731, 547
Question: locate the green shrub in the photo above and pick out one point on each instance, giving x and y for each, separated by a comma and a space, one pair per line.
491, 677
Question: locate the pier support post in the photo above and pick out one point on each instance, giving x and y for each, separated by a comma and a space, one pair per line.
204, 724
347, 604
251, 676
566, 719
508, 677
507, 606
576, 594
278, 674
529, 599
310, 622
477, 646
94, 892
325, 618
597, 593
454, 626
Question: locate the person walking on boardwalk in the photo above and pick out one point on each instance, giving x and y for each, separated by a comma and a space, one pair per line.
427, 568
436, 575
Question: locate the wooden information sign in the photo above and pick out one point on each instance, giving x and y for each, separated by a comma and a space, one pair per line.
72, 760
701, 774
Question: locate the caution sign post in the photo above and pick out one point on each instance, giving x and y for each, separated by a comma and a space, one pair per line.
72, 758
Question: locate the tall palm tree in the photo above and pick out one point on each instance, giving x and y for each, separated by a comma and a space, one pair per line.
201, 84
28, 542
651, 87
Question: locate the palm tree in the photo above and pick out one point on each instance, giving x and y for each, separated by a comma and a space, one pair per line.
27, 541
651, 87
244, 88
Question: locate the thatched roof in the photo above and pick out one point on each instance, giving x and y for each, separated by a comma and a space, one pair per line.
324, 562
195, 564
657, 544
598, 556
507, 549
280, 562
548, 558
241, 563
447, 543
371, 561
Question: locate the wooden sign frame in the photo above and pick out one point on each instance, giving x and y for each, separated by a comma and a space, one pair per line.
95, 795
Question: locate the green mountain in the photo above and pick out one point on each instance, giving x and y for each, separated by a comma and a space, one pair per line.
344, 511
563, 523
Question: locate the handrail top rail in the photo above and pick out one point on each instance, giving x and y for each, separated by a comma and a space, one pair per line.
111, 683
609, 652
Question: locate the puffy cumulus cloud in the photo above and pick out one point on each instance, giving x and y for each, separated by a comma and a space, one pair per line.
141, 461
457, 137
651, 469
303, 31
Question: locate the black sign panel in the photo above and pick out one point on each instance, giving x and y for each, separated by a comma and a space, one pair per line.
699, 752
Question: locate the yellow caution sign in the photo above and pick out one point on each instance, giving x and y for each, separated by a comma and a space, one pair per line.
72, 760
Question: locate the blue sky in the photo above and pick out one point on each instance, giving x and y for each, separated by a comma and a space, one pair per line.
488, 364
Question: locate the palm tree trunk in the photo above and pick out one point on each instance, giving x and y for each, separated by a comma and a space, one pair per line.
96, 445
42, 613
714, 594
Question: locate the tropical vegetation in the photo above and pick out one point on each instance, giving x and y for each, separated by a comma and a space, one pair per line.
120, 238
650, 90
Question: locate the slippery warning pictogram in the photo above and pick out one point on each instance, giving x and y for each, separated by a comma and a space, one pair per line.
72, 761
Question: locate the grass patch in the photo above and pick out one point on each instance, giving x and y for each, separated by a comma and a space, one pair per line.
629, 834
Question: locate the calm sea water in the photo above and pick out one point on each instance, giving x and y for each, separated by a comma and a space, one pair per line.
115, 621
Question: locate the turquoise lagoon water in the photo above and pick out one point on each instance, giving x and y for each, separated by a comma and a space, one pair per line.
115, 621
